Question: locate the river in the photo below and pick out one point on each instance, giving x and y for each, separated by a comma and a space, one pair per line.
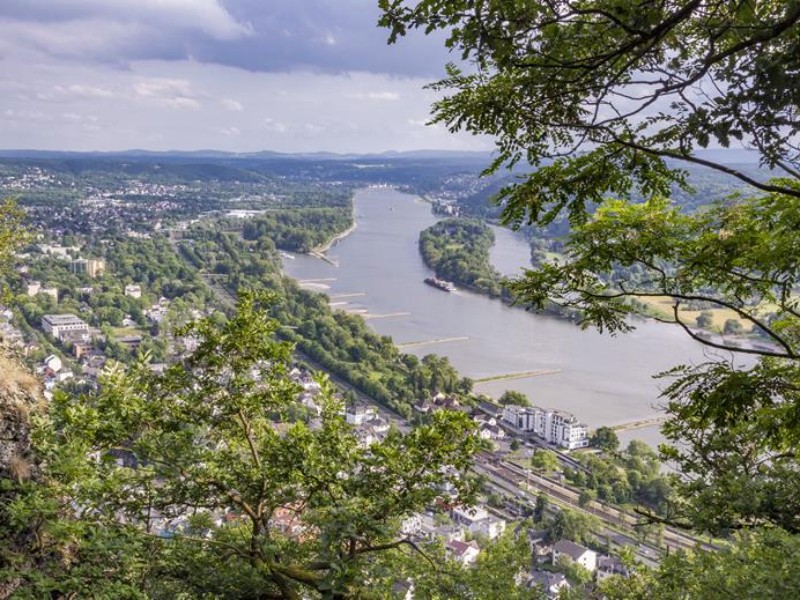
602, 379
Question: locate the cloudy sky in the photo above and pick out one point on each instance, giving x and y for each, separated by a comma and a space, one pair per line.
238, 75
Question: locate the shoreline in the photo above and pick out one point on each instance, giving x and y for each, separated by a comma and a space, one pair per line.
323, 248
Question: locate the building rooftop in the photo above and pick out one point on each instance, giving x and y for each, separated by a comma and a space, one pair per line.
575, 551
64, 319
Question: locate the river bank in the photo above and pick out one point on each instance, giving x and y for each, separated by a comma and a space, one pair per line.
323, 248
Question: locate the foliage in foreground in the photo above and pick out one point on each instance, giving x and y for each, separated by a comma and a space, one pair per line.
758, 564
199, 483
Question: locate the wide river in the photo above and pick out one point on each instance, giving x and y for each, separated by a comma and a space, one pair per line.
604, 380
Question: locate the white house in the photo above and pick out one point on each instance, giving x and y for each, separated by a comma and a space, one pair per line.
411, 525
478, 521
33, 288
356, 414
575, 553
53, 363
551, 583
464, 552
608, 566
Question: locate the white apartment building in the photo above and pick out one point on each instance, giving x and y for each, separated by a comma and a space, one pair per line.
57, 325
553, 426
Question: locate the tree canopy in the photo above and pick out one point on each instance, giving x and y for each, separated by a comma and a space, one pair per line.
201, 481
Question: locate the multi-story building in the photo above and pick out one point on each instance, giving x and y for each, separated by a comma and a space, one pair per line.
58, 325
553, 426
92, 267
78, 266
133, 290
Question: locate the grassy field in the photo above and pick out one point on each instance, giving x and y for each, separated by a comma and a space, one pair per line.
662, 307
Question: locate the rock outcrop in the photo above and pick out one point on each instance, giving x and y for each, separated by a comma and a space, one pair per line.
20, 398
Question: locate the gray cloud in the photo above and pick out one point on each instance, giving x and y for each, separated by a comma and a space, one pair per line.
277, 35
241, 75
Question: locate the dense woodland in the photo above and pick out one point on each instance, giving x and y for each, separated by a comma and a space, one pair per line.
458, 250
298, 230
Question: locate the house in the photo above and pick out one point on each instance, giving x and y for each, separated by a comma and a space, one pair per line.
411, 525
490, 409
80, 349
63, 375
478, 521
131, 342
53, 363
468, 516
575, 553
540, 545
464, 552
33, 288
356, 414
610, 565
491, 432
287, 520
134, 291
551, 583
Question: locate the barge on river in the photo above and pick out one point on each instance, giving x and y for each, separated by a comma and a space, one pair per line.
440, 284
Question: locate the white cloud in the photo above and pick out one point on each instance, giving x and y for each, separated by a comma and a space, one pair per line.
375, 96
232, 105
71, 116
85, 91
181, 102
230, 131
273, 126
162, 87
172, 93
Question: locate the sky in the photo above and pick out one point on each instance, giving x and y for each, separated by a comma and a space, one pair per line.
235, 75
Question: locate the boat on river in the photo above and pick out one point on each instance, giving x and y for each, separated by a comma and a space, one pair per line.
440, 284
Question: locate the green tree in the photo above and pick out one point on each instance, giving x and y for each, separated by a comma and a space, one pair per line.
211, 447
586, 497
732, 327
12, 235
606, 439
514, 397
542, 502
545, 460
755, 566
705, 319
573, 525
